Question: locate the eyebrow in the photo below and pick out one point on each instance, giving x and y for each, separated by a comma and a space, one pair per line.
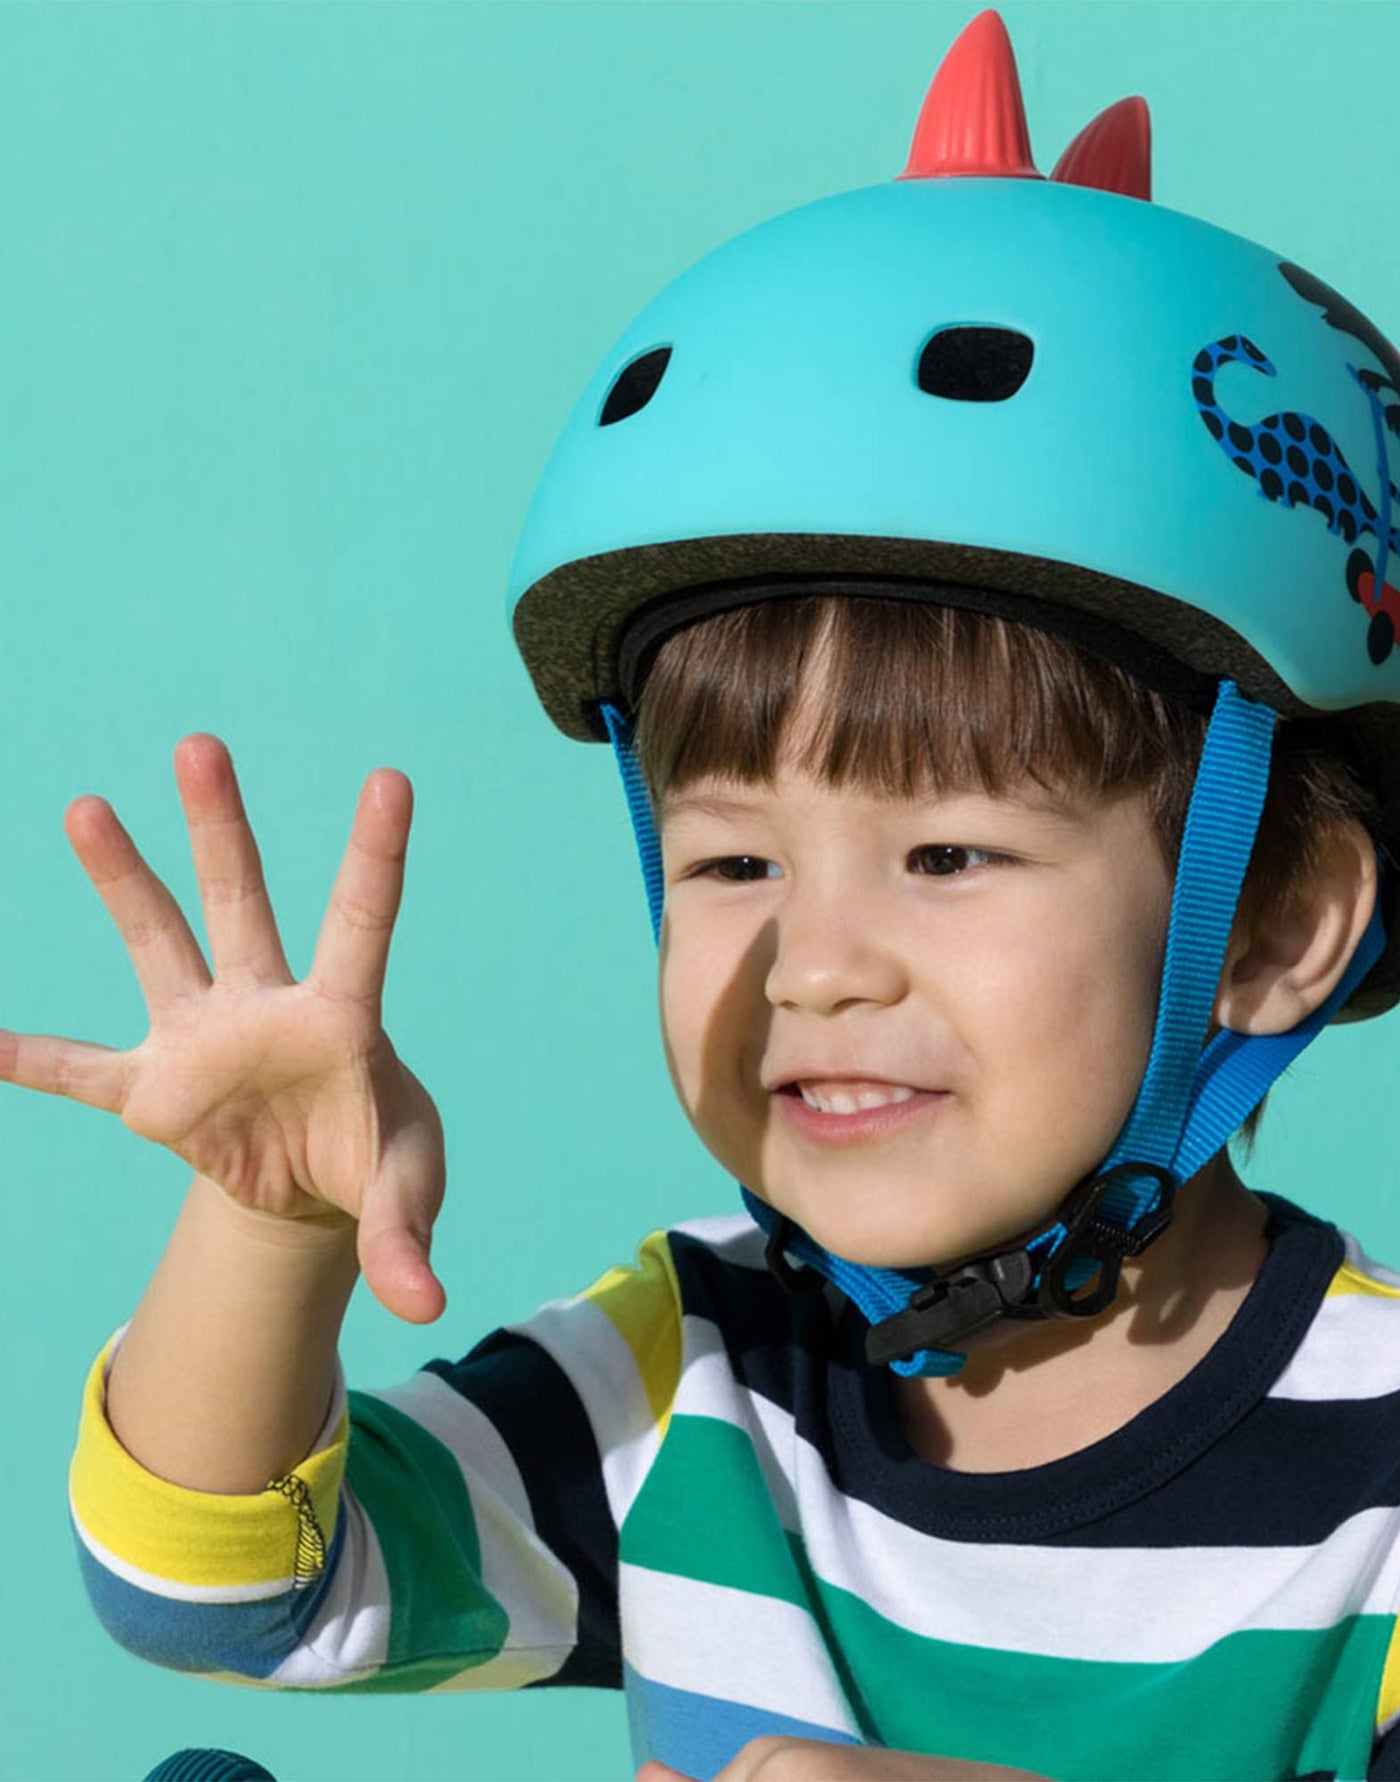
1036, 798
705, 804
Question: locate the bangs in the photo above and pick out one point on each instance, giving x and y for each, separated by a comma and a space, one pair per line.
904, 698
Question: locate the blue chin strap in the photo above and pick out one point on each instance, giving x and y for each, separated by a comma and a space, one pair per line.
1192, 1097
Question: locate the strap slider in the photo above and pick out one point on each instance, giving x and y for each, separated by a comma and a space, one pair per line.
1094, 1243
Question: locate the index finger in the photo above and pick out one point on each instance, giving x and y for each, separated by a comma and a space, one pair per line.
352, 949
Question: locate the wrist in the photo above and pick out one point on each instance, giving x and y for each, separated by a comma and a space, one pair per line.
226, 1369
329, 1231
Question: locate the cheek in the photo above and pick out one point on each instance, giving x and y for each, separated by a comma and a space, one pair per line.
714, 1027
1067, 1020
699, 998
676, 1007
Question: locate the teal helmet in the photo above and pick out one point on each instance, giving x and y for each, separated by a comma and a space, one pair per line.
1048, 399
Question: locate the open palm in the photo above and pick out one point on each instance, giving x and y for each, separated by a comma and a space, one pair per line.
287, 1094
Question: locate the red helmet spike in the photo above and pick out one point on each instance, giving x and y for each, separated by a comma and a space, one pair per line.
1113, 152
973, 120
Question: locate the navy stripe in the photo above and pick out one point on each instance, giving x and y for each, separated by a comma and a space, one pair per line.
539, 1416
1385, 1758
1287, 1476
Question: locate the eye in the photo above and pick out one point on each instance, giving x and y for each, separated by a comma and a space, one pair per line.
975, 364
738, 869
945, 860
634, 386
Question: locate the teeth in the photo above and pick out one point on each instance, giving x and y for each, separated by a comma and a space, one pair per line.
842, 1101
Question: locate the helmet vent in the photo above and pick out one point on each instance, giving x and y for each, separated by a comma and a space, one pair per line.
634, 386
981, 364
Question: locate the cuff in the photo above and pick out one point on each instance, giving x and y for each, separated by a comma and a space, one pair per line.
147, 1529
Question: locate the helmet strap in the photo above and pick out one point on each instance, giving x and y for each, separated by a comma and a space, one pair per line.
639, 810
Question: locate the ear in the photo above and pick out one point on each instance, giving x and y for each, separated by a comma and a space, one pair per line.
1287, 965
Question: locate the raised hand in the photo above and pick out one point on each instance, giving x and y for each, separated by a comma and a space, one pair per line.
288, 1095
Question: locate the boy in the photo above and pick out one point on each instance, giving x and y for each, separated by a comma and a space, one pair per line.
932, 705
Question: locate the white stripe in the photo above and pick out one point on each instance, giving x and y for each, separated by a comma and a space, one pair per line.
467, 1433
733, 1237
729, 1644
1351, 1351
1148, 1605
596, 1359
537, 1591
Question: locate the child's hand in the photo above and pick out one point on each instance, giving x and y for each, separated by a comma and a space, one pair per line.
288, 1095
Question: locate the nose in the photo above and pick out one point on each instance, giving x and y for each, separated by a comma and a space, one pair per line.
829, 954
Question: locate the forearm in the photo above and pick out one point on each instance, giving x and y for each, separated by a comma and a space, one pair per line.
224, 1377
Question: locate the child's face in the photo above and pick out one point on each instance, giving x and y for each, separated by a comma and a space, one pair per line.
844, 936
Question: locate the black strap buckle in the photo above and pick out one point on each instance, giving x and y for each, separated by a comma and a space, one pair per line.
948, 1310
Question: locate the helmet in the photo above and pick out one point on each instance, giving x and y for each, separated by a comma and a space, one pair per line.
1040, 398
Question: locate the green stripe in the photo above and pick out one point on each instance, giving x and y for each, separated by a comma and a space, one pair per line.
705, 1464
1259, 1704
442, 1620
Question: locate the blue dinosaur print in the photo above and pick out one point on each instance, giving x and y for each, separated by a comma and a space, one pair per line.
1297, 463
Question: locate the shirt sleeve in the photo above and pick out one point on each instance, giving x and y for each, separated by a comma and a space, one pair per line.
456, 1532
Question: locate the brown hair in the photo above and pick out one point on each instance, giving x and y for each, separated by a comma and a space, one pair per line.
917, 698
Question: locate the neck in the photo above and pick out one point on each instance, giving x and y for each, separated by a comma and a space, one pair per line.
1032, 1392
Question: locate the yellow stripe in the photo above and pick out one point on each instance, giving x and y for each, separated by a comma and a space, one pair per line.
1390, 1680
191, 1537
1350, 1279
644, 1305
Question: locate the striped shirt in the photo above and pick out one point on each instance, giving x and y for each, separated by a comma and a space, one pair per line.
689, 1485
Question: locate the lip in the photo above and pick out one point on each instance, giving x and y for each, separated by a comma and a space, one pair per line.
865, 1127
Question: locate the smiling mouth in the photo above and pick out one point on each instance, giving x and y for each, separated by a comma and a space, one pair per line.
838, 1113
849, 1097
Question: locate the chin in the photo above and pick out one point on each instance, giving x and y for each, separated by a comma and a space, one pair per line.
909, 1244
873, 1248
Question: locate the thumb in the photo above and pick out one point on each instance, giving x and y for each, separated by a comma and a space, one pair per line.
395, 1235
653, 1770
394, 1262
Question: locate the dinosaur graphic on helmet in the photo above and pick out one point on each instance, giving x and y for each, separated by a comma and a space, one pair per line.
1297, 462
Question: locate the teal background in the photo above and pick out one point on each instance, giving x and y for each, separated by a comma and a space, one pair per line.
294, 300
